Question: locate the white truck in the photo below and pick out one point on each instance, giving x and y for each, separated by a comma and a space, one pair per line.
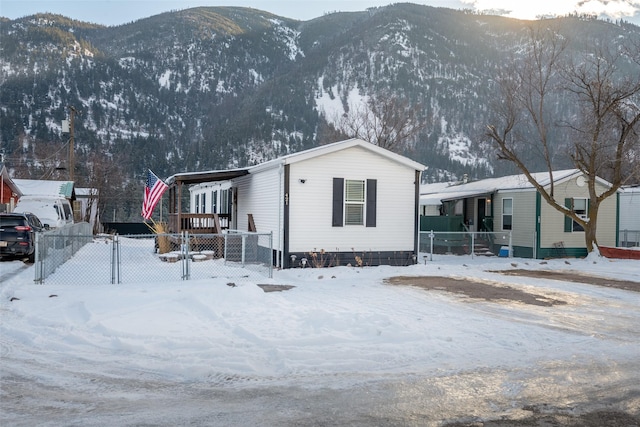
54, 212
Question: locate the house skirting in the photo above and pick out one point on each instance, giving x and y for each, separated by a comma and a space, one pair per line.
353, 258
544, 253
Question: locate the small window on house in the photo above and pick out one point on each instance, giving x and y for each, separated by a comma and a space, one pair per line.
203, 203
354, 202
197, 203
224, 201
458, 207
580, 206
214, 201
507, 214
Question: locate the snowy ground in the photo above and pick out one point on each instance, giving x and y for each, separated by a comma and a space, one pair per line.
339, 348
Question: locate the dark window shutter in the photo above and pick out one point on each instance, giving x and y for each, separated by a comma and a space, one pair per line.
568, 221
338, 202
372, 185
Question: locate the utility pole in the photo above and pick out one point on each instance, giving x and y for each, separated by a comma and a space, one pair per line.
72, 112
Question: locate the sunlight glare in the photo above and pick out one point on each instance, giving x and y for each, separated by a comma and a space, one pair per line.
533, 10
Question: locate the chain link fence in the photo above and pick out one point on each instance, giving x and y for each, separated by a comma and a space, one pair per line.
478, 243
113, 259
55, 247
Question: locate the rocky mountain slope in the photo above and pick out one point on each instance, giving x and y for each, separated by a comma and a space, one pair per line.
218, 87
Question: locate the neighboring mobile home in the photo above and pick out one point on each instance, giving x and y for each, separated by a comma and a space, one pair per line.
511, 204
352, 200
629, 234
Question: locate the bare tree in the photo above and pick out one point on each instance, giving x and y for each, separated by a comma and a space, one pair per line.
387, 121
603, 131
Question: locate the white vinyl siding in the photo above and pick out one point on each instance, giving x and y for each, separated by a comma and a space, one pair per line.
310, 203
259, 194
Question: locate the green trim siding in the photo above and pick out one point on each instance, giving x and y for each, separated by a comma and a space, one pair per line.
617, 219
538, 214
546, 253
522, 252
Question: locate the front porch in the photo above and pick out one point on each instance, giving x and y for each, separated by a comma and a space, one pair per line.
197, 223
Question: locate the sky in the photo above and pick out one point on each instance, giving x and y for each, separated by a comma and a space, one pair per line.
78, 350
116, 12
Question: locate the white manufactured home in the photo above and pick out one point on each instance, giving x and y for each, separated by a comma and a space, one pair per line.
351, 201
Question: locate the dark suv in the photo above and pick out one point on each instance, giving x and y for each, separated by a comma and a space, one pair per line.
17, 235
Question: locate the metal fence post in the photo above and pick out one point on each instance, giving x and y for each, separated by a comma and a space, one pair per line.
243, 248
431, 236
226, 245
114, 258
473, 243
39, 259
184, 253
270, 259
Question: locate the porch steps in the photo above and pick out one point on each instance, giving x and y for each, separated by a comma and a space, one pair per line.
481, 249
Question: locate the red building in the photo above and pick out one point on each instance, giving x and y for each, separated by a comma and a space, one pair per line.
9, 191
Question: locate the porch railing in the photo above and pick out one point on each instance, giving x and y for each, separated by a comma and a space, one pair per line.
198, 222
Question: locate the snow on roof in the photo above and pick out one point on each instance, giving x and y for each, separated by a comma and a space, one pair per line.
192, 177
434, 194
6, 179
348, 143
41, 187
86, 192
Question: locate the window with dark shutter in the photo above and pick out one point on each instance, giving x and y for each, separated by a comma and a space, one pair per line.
338, 202
372, 185
354, 202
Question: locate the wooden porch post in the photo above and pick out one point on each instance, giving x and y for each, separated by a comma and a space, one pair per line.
179, 206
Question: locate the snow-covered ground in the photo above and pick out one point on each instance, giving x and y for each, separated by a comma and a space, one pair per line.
333, 350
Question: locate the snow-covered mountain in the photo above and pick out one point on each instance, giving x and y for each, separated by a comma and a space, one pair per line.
218, 87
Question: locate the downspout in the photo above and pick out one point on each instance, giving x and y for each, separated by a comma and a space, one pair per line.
618, 218
538, 227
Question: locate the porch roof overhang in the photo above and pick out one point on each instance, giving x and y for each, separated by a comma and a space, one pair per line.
438, 198
206, 176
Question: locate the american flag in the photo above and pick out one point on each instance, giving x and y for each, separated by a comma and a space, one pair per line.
152, 193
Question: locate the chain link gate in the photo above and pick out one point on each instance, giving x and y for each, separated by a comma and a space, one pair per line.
116, 259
